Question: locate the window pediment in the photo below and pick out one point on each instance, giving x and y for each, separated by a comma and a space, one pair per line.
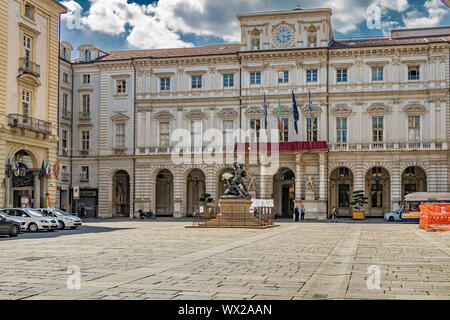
414, 109
378, 109
227, 113
377, 63
285, 111
195, 115
228, 71
29, 79
196, 72
341, 109
254, 112
119, 118
316, 110
164, 115
164, 74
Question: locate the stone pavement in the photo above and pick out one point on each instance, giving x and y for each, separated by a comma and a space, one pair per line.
124, 259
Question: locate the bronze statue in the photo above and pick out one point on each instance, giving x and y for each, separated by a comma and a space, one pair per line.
235, 184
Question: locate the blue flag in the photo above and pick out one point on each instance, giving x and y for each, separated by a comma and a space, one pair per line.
9, 170
42, 171
313, 123
265, 112
295, 111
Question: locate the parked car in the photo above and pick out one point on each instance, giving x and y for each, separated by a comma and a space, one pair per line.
9, 227
394, 215
22, 223
64, 219
35, 221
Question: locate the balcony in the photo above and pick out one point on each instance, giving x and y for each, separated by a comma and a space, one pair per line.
66, 114
64, 152
29, 123
120, 151
27, 66
389, 146
85, 115
64, 177
84, 177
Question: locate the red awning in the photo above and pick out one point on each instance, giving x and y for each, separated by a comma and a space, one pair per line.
297, 146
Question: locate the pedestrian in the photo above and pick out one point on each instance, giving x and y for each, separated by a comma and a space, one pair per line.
296, 213
83, 210
302, 211
334, 214
64, 208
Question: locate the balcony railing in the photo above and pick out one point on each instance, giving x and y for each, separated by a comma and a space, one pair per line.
84, 177
85, 115
66, 114
120, 151
389, 146
64, 152
30, 67
29, 123
64, 177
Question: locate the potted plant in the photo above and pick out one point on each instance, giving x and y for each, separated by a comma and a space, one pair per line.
359, 200
206, 200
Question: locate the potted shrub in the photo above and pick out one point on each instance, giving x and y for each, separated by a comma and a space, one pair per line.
359, 200
206, 200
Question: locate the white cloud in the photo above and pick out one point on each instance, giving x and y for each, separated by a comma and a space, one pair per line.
72, 18
436, 11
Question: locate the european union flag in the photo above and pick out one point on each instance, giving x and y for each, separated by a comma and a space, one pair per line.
295, 111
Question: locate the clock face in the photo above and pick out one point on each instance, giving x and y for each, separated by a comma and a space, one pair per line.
283, 36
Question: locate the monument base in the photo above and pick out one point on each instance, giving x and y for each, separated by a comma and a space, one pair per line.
235, 213
314, 209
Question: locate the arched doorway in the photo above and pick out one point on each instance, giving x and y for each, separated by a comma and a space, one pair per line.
221, 182
378, 190
196, 186
414, 179
23, 185
341, 190
164, 193
284, 192
121, 194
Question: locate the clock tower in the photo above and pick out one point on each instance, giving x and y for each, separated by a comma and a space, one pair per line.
297, 28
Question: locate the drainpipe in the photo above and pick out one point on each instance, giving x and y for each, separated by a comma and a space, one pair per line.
71, 139
240, 92
134, 136
328, 130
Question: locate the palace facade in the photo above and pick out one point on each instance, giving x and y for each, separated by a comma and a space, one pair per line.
380, 118
29, 38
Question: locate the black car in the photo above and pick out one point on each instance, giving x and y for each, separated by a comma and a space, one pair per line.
9, 227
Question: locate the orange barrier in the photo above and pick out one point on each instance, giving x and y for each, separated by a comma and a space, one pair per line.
435, 217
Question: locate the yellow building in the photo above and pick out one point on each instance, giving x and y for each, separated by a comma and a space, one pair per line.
29, 42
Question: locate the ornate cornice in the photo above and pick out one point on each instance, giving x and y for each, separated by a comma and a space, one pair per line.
414, 109
164, 115
227, 113
196, 114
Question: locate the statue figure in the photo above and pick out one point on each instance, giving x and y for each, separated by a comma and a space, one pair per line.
310, 183
252, 183
120, 193
235, 185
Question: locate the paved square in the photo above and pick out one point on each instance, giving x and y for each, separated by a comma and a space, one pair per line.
124, 259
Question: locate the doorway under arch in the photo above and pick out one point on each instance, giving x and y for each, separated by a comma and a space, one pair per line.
414, 179
121, 194
196, 186
341, 190
284, 192
164, 193
378, 190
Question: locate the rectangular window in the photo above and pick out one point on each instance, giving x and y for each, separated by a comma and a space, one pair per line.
284, 131
341, 75
311, 129
196, 82
27, 48
165, 84
377, 129
86, 104
413, 73
84, 173
344, 195
29, 11
255, 77
341, 130
227, 132
196, 133
26, 104
228, 80
120, 135
414, 128
377, 73
255, 126
164, 131
85, 140
65, 77
283, 77
87, 56
65, 103
64, 139
376, 195
121, 86
311, 75
86, 79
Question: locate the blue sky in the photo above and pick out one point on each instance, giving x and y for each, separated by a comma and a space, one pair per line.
138, 24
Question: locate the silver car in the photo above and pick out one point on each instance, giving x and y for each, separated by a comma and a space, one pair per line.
64, 219
394, 215
35, 221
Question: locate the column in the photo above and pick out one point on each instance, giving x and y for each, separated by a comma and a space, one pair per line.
139, 133
323, 176
396, 188
8, 186
433, 129
148, 126
37, 191
298, 179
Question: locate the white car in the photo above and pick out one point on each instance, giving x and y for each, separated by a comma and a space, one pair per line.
20, 221
35, 221
393, 216
64, 219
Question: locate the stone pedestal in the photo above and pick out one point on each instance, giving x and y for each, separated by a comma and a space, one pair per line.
315, 209
235, 213
309, 195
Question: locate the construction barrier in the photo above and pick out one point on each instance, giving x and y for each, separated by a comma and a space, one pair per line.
435, 217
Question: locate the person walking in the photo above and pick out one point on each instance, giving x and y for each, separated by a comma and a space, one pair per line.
83, 210
296, 213
334, 214
302, 210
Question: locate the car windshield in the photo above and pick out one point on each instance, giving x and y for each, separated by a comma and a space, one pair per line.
34, 213
60, 213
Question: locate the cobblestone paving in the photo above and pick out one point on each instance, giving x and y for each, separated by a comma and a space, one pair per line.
164, 260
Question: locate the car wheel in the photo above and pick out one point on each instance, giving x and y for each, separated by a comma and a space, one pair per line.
33, 227
61, 225
14, 231
391, 219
